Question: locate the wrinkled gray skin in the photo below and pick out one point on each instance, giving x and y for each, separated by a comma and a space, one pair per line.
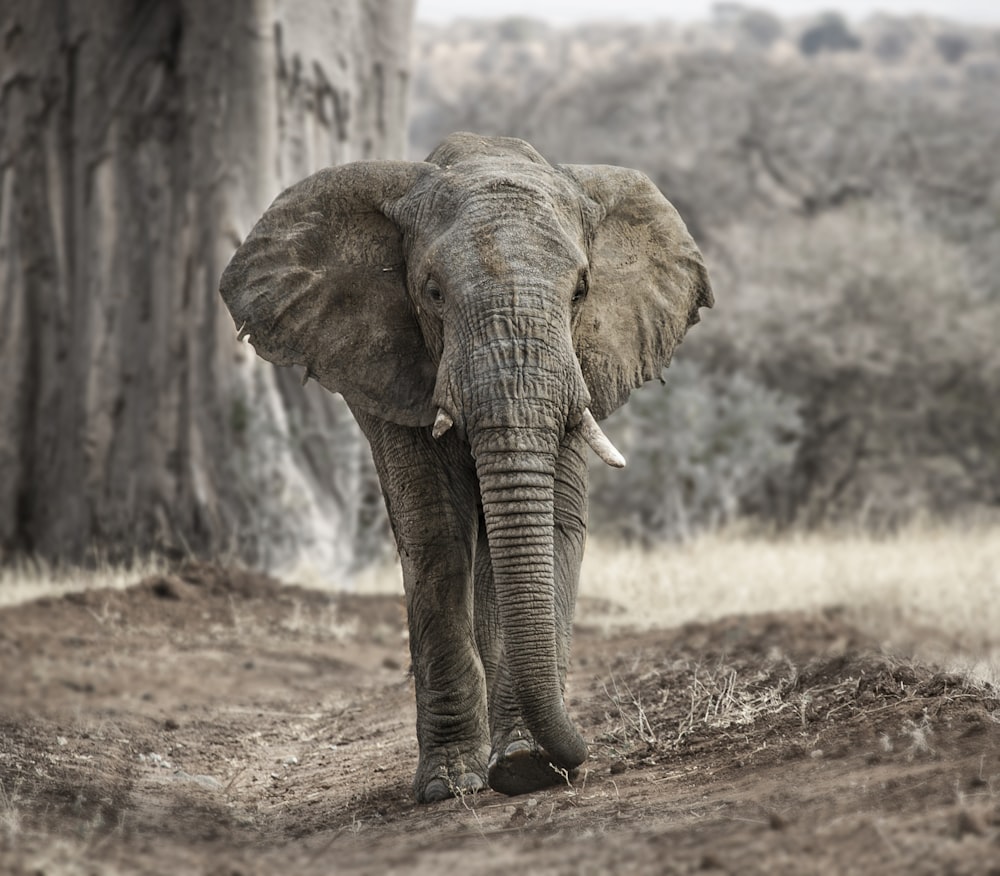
512, 295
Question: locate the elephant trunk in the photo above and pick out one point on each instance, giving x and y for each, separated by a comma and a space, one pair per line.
516, 469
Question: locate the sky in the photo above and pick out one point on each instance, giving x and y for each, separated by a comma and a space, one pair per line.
563, 11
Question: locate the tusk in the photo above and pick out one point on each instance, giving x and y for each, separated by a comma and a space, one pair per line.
599, 442
442, 423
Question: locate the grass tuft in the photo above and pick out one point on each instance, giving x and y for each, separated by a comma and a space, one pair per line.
27, 579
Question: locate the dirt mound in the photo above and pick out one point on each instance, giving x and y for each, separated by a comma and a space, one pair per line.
772, 689
216, 721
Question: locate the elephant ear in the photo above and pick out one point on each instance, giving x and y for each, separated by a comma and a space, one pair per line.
321, 282
647, 281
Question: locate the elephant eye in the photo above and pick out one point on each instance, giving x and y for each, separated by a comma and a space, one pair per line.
581, 288
433, 290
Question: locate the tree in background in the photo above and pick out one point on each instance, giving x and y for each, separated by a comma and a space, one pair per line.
842, 181
140, 141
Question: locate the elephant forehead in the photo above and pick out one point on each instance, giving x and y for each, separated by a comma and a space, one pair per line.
516, 182
517, 241
505, 217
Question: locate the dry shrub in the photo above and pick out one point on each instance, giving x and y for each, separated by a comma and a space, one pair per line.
873, 323
696, 448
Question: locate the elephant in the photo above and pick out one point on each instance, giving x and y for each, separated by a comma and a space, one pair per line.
479, 312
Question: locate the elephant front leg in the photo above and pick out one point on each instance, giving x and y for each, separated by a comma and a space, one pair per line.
452, 727
517, 764
430, 495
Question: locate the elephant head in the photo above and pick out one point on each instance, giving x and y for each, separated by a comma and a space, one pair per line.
492, 293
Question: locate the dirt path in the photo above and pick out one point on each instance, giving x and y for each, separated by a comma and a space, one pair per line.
216, 722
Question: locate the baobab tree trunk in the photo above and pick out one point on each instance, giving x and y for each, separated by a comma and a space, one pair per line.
139, 143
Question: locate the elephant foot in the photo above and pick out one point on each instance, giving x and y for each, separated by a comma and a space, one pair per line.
439, 778
442, 787
523, 767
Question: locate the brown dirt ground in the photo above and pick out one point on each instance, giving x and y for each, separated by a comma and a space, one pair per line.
217, 722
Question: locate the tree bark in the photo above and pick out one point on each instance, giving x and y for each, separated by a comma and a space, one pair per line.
140, 142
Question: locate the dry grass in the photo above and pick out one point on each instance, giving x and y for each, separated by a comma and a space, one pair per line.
931, 589
10, 814
716, 697
751, 704
26, 579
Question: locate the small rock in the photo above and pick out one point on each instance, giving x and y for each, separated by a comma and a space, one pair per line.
167, 587
710, 862
518, 818
618, 767
171, 724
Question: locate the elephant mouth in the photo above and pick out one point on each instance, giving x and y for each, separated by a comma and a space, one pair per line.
589, 429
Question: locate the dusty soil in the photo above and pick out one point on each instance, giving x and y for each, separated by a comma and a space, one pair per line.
217, 722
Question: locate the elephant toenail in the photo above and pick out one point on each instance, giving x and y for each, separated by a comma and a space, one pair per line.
470, 783
436, 790
518, 745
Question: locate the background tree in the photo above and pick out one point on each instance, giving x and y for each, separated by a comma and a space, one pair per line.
842, 181
139, 143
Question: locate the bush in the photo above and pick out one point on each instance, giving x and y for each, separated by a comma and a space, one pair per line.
873, 324
698, 450
829, 34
